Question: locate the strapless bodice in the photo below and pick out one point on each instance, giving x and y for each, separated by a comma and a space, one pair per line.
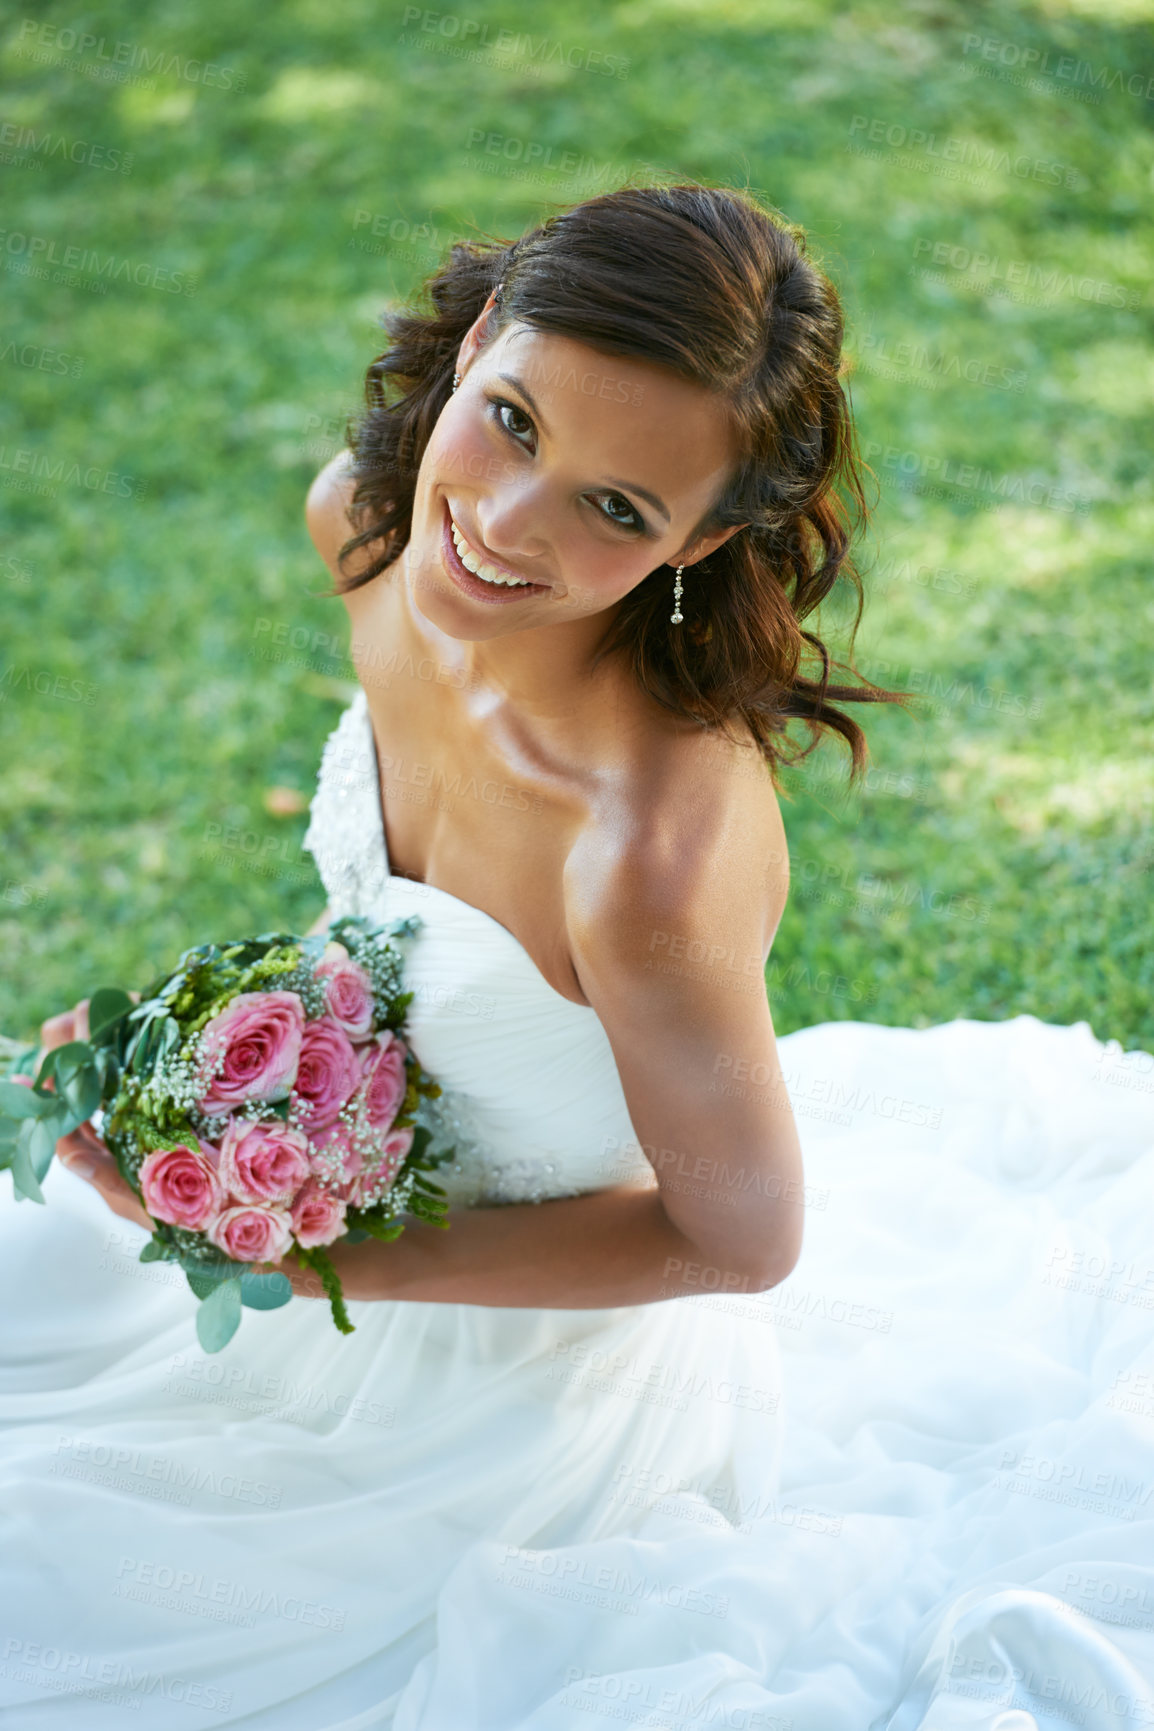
532, 1096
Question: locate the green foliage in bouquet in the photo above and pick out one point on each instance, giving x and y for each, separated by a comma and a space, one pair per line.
139, 1065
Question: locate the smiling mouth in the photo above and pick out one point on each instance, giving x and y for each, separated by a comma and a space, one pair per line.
477, 576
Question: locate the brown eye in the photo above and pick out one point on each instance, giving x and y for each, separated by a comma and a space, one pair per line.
634, 522
625, 523
500, 404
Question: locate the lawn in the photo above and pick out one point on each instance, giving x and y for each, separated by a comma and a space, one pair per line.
977, 181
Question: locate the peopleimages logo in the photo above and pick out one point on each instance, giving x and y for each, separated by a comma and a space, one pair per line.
1043, 62
124, 57
39, 146
902, 358
1011, 275
42, 466
39, 253
92, 1675
984, 487
474, 34
193, 1590
963, 152
37, 357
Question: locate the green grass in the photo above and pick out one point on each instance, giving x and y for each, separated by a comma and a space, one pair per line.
1001, 858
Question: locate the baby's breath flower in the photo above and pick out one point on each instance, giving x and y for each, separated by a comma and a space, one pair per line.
158, 1106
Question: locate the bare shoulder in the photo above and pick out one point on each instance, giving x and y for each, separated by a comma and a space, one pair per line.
327, 514
690, 882
326, 507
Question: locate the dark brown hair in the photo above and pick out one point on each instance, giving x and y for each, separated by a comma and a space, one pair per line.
705, 282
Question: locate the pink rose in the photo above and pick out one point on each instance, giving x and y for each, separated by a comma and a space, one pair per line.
318, 1217
372, 1184
263, 1162
259, 1034
335, 1162
383, 1079
181, 1185
348, 995
393, 1151
328, 1073
252, 1234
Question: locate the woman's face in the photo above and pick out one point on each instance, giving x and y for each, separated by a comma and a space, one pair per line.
578, 471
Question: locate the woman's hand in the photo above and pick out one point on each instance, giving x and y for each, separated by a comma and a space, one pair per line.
84, 1154
82, 1151
69, 1025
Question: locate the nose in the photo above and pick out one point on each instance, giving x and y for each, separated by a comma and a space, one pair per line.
512, 523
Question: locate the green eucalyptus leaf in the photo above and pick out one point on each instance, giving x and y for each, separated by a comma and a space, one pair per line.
106, 1007
109, 1073
218, 1317
82, 1090
24, 1180
205, 1277
47, 1068
145, 1053
71, 1056
136, 1055
42, 1145
64, 1061
18, 1102
155, 1251
265, 1291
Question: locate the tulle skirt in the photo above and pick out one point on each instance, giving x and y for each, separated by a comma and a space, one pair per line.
911, 1487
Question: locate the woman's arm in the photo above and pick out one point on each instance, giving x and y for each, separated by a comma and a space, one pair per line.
696, 1052
611, 1247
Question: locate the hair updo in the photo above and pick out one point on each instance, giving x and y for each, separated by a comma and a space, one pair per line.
706, 283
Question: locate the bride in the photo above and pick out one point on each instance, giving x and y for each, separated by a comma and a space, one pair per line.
572, 1462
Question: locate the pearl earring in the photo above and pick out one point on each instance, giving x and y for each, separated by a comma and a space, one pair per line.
456, 382
676, 616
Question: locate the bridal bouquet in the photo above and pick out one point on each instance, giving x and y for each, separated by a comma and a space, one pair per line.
260, 1100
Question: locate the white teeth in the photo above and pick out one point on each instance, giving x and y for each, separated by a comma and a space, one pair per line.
470, 561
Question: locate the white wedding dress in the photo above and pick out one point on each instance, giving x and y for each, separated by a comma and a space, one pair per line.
912, 1487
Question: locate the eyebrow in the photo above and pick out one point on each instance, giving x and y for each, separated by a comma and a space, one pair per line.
626, 486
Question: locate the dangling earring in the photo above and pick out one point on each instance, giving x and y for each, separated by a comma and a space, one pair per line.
456, 382
676, 616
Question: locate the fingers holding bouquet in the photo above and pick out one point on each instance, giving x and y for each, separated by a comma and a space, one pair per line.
81, 1151
68, 1025
83, 1154
259, 1103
